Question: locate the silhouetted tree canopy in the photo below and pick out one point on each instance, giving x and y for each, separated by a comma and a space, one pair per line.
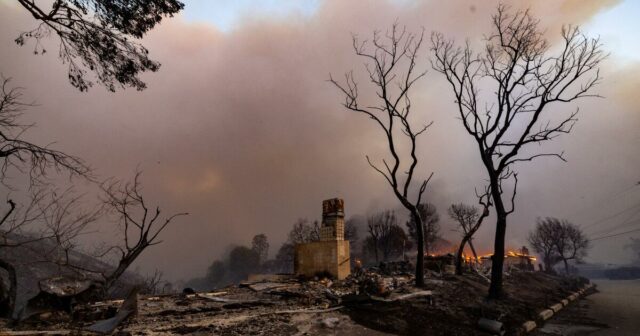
303, 232
284, 258
242, 262
469, 219
351, 230
216, 272
558, 240
385, 237
260, 245
99, 36
22, 155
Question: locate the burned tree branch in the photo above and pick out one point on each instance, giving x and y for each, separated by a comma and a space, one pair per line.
99, 37
140, 226
23, 155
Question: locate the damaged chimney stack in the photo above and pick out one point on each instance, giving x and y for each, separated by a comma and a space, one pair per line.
331, 254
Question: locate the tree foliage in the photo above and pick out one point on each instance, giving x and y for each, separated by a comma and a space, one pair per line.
216, 273
242, 262
98, 36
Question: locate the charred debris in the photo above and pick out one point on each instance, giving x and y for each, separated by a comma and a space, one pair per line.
377, 300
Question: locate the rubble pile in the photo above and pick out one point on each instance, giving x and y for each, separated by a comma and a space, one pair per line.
377, 301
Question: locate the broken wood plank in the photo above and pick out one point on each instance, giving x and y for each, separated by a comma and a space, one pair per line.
405, 296
128, 308
260, 286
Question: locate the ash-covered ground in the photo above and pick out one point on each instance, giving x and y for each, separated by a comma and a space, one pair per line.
367, 303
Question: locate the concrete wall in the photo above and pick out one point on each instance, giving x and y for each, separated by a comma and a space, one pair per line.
323, 256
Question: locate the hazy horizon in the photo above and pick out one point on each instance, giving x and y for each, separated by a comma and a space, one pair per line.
241, 129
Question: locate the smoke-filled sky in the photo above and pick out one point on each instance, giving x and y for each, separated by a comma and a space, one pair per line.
241, 129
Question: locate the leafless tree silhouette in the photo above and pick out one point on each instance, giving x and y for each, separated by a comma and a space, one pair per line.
54, 217
23, 155
527, 79
140, 224
572, 244
469, 219
430, 226
385, 235
48, 214
260, 245
391, 63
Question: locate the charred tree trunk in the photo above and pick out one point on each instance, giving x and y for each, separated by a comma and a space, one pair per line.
495, 290
473, 249
497, 260
11, 294
123, 265
420, 256
459, 255
566, 265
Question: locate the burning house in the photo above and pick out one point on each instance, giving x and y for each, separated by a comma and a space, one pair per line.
520, 259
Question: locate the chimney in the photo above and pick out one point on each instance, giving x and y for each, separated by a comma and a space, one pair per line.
332, 220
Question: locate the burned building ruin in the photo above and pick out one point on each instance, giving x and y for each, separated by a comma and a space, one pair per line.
331, 253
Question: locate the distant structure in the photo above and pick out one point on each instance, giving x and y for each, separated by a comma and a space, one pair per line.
331, 253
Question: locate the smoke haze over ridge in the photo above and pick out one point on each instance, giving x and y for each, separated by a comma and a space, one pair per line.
241, 129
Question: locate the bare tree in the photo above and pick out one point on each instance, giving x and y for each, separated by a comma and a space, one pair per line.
260, 245
152, 284
141, 225
99, 36
304, 232
572, 244
543, 240
48, 225
469, 219
380, 227
390, 61
430, 226
393, 242
23, 155
242, 262
527, 79
285, 257
351, 230
47, 214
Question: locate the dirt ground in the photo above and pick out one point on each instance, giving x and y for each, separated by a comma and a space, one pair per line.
370, 304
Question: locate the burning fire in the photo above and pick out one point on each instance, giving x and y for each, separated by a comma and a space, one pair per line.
520, 255
510, 253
